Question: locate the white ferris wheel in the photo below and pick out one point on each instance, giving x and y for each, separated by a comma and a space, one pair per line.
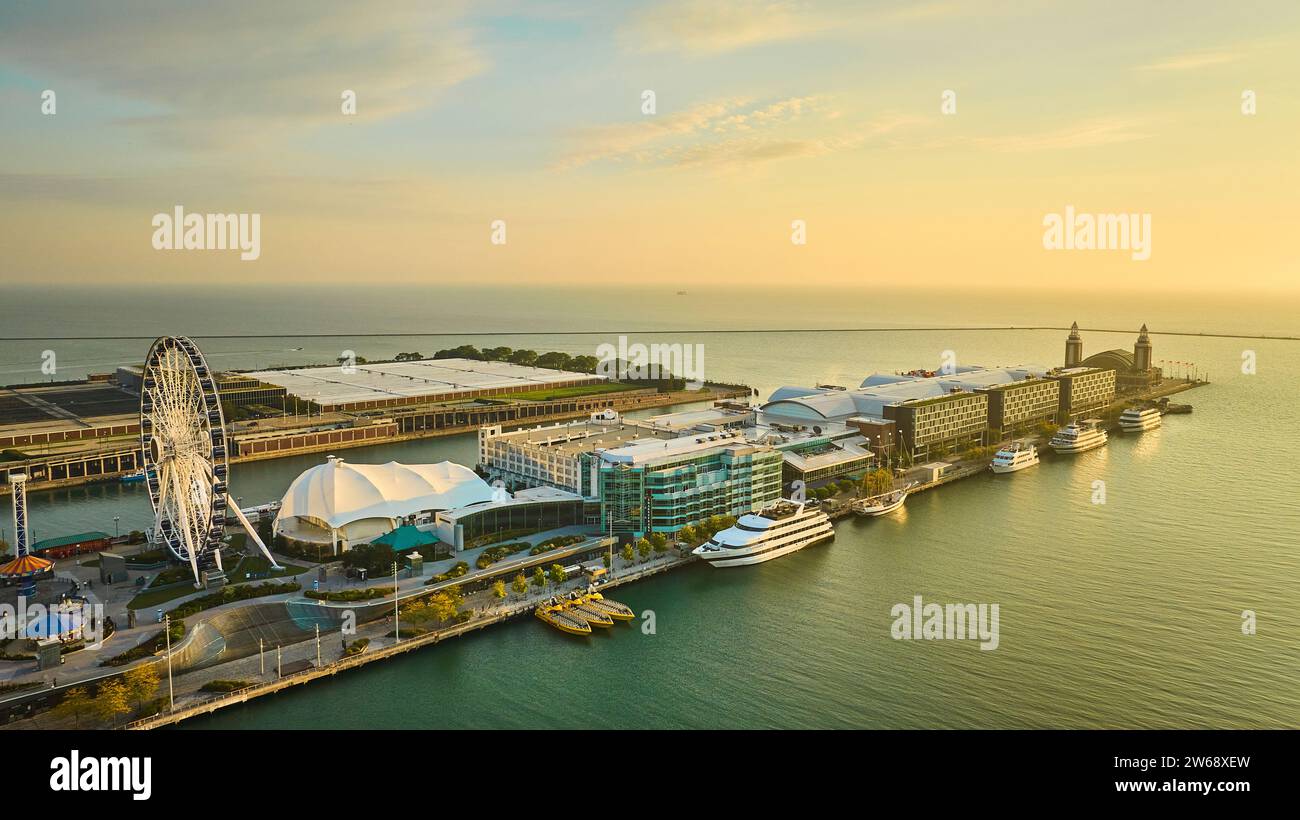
185, 450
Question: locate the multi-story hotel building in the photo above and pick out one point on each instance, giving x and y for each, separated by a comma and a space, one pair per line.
1018, 406
940, 423
1083, 391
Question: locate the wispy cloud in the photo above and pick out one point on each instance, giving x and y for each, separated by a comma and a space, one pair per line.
719, 26
1100, 131
726, 133
685, 25
1190, 62
215, 74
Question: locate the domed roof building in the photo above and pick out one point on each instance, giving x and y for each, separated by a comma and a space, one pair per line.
1133, 371
341, 503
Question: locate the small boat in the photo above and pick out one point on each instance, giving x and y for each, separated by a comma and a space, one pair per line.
614, 609
555, 614
1134, 420
1079, 436
133, 478
1015, 456
592, 615
882, 504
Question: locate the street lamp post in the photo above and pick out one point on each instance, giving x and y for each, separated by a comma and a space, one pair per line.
261, 659
397, 626
171, 695
116, 530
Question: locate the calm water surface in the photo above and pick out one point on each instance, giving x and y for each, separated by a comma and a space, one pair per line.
1122, 614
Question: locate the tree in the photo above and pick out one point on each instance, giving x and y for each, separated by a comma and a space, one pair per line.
141, 683
877, 482
497, 354
524, 357
604, 559
688, 535
520, 585
444, 605
557, 574
660, 542
554, 360
111, 700
539, 577
584, 364
76, 702
499, 589
628, 555
643, 547
461, 352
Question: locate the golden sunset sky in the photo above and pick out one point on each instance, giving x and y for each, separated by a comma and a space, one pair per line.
766, 112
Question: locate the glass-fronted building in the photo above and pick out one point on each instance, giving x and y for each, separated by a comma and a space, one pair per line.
654, 486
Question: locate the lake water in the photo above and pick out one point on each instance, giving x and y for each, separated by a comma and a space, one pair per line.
1123, 614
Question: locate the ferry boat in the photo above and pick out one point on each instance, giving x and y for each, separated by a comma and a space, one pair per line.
883, 504
775, 531
133, 478
1134, 420
1078, 437
556, 614
1015, 456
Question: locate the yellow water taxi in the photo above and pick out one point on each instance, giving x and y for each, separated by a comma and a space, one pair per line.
557, 615
593, 615
614, 609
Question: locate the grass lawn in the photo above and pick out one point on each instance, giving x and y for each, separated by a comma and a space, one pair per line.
573, 392
154, 597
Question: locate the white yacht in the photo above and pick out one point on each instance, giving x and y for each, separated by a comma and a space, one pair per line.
1015, 456
1079, 436
775, 531
1134, 420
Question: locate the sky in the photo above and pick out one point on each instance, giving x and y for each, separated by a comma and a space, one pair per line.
767, 116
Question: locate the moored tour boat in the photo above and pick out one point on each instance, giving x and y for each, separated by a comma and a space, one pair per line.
1078, 437
1135, 420
778, 530
1015, 456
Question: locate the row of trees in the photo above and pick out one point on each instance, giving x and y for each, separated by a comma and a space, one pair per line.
697, 534
552, 360
540, 578
130, 693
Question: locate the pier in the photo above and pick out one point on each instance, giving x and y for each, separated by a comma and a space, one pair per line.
395, 647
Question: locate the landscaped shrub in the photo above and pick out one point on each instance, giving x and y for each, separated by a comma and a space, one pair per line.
229, 594
224, 685
491, 555
556, 543
367, 594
